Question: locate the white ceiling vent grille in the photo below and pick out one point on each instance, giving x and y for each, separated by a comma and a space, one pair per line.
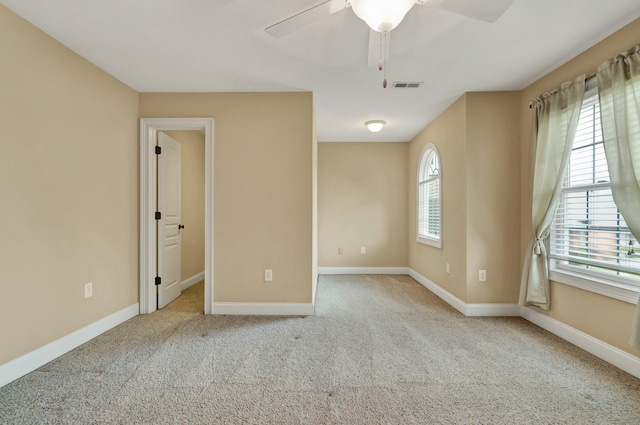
406, 85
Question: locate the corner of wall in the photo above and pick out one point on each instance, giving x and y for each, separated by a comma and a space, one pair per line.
448, 133
493, 196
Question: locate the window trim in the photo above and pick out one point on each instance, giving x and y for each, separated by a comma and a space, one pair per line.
424, 155
607, 287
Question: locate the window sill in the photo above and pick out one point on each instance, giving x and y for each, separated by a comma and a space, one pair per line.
437, 243
604, 287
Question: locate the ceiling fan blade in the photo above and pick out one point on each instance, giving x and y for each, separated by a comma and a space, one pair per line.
305, 17
484, 10
374, 47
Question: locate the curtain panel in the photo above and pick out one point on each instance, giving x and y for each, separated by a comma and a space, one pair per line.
619, 92
554, 128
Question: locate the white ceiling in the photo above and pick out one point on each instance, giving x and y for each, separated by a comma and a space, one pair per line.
220, 45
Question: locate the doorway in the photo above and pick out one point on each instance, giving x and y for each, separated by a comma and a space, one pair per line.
149, 128
185, 183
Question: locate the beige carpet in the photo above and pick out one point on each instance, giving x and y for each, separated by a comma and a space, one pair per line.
380, 350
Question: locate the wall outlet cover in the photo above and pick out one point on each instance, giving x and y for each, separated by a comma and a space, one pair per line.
88, 289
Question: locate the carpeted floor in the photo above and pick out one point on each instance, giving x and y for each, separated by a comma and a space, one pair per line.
380, 350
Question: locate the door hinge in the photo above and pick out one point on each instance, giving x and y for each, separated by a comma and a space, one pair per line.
158, 280
158, 215
158, 150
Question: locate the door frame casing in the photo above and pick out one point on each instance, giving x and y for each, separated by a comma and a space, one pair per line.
148, 197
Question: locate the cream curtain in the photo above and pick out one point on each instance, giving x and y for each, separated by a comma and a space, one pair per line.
619, 91
554, 127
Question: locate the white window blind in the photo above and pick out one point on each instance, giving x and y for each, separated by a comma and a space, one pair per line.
429, 202
589, 235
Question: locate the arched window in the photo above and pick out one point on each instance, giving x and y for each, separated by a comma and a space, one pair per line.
429, 198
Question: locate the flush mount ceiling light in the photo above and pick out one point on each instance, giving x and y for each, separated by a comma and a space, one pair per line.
375, 126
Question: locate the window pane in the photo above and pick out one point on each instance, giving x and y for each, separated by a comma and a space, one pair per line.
589, 233
589, 130
434, 167
422, 209
588, 165
429, 207
433, 208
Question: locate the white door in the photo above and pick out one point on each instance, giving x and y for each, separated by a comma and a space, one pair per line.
169, 245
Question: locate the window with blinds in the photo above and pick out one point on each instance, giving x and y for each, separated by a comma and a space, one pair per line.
429, 198
589, 235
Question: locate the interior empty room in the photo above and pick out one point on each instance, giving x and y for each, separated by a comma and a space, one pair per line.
289, 212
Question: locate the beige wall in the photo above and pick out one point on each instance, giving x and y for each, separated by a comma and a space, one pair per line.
604, 318
69, 188
362, 201
262, 189
192, 202
448, 134
493, 201
477, 138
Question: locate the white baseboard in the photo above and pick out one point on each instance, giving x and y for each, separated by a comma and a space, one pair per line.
264, 309
470, 310
363, 270
492, 310
190, 281
445, 295
31, 361
598, 348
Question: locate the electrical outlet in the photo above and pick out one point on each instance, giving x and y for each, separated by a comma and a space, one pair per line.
363, 250
340, 252
482, 275
448, 268
88, 289
268, 275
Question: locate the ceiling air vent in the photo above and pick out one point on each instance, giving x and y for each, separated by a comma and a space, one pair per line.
406, 85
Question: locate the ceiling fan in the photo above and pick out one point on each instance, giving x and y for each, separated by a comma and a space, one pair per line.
384, 15
484, 10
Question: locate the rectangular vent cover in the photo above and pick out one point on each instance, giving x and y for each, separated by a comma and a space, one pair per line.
406, 85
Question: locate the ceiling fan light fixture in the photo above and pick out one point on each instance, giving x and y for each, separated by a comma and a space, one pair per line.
375, 126
381, 15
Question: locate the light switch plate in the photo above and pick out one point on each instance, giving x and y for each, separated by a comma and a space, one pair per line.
88, 289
